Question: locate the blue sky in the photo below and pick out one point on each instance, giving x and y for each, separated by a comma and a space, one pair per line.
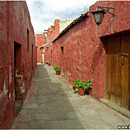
44, 12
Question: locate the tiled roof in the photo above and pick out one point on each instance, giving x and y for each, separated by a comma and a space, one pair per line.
72, 24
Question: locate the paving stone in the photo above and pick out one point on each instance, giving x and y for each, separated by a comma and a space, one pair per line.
20, 126
68, 108
110, 118
42, 93
56, 125
88, 112
33, 105
80, 102
37, 111
44, 117
37, 124
52, 104
58, 116
53, 97
23, 118
24, 111
74, 124
73, 115
94, 123
41, 101
54, 109
123, 118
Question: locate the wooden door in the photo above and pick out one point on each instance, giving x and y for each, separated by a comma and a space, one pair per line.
118, 70
113, 70
125, 70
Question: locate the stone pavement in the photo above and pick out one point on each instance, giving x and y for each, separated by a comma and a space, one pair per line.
52, 104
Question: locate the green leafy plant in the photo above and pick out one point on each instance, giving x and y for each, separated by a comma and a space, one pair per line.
88, 84
57, 68
48, 63
78, 83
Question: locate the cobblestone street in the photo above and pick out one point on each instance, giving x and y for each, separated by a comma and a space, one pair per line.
52, 104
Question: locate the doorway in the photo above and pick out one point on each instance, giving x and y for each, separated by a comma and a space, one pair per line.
32, 61
62, 59
118, 70
17, 65
43, 55
51, 56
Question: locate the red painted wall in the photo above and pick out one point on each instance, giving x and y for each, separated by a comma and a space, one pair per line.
40, 41
83, 52
52, 33
14, 23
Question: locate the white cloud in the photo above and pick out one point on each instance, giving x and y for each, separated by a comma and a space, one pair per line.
44, 12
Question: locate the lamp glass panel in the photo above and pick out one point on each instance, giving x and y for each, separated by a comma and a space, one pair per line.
98, 17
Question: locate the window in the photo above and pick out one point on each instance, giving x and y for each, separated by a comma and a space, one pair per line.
27, 40
62, 49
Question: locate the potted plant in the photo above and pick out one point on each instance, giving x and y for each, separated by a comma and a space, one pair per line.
81, 86
48, 63
76, 83
57, 70
88, 86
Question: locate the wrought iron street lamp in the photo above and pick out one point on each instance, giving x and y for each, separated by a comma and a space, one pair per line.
99, 15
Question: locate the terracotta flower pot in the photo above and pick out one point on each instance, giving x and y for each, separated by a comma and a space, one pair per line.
81, 91
58, 73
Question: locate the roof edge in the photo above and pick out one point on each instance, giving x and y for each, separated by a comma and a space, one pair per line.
72, 24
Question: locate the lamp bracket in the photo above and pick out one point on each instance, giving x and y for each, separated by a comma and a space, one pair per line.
108, 8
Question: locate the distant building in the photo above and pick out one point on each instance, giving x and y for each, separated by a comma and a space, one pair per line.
40, 42
52, 33
64, 23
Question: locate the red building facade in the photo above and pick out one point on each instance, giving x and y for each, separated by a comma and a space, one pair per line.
40, 42
85, 49
52, 33
17, 58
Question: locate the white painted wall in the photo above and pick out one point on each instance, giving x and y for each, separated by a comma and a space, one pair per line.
64, 23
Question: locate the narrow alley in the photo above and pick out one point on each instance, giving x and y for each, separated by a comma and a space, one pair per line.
52, 104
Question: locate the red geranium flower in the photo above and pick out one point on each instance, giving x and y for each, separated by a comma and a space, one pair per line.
90, 84
73, 79
73, 85
86, 78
